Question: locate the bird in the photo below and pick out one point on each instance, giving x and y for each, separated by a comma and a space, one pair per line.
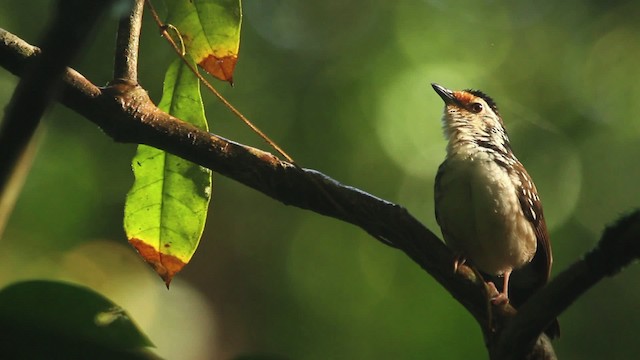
486, 204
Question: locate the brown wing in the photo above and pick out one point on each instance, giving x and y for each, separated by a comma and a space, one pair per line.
438, 197
532, 209
542, 260
437, 193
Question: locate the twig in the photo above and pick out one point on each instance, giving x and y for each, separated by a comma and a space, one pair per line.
125, 67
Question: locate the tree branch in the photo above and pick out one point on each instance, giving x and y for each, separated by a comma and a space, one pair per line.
125, 67
618, 247
71, 25
125, 112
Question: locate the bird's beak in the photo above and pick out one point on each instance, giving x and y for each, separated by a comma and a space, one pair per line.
445, 94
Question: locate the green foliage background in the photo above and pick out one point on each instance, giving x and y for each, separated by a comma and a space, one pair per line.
344, 87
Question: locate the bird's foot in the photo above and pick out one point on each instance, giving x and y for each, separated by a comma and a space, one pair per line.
497, 298
501, 299
457, 262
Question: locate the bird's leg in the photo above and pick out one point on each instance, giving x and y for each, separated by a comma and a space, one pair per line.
503, 297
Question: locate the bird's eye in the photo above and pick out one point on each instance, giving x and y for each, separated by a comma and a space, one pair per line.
476, 107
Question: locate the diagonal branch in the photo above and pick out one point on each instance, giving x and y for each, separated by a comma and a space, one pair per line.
63, 39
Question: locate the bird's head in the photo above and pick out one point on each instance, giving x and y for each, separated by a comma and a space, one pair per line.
471, 118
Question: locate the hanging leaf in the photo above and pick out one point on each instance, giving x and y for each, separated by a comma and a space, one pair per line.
36, 315
210, 30
166, 208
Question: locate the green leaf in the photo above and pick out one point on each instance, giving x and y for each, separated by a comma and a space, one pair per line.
71, 314
210, 30
166, 208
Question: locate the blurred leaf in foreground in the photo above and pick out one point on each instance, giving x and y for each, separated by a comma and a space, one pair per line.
46, 319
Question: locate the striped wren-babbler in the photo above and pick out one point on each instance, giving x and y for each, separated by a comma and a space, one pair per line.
486, 203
